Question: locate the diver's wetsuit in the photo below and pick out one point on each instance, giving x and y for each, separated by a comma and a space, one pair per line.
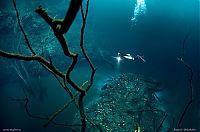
130, 57
122, 54
125, 56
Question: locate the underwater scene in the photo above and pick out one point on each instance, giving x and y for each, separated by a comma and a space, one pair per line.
99, 66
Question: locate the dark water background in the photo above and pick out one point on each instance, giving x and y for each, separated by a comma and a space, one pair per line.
158, 35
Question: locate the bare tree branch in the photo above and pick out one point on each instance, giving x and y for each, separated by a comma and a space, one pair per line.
73, 99
183, 45
52, 117
181, 59
32, 58
59, 28
159, 127
81, 105
21, 28
191, 90
84, 17
26, 100
59, 35
70, 15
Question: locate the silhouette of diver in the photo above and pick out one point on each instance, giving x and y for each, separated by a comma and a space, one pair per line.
125, 56
129, 57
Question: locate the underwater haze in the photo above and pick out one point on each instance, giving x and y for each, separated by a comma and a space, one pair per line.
161, 36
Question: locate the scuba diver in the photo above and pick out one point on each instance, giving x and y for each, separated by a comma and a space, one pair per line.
125, 56
129, 57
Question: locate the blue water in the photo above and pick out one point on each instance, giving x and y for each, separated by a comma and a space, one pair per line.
156, 29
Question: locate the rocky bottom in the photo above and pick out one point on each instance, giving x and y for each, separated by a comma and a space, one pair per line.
127, 103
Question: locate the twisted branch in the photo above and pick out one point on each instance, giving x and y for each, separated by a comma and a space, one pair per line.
26, 100
73, 99
59, 27
191, 90
183, 45
181, 59
52, 117
159, 127
84, 17
40, 59
21, 28
81, 105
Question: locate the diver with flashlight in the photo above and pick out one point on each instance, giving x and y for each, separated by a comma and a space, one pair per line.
121, 56
125, 56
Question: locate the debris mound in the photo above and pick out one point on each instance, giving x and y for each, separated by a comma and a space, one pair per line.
127, 102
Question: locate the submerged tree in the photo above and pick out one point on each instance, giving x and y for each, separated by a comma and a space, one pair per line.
59, 27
